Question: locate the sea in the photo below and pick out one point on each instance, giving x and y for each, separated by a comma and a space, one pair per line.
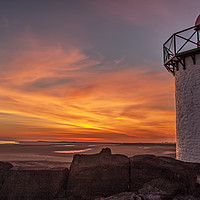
59, 154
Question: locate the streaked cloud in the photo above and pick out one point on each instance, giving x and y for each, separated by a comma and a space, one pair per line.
47, 91
88, 71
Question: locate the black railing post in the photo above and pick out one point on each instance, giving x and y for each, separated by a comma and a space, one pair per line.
164, 53
198, 42
174, 44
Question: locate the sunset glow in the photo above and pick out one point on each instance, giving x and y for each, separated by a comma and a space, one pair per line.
73, 80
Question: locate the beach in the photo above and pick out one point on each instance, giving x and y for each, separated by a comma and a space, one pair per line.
56, 154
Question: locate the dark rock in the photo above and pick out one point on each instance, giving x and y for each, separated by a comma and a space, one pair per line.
32, 184
4, 170
105, 151
102, 174
186, 197
168, 175
154, 194
149, 192
133, 196
120, 196
62, 190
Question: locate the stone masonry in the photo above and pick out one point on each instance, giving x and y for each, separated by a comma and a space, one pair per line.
187, 92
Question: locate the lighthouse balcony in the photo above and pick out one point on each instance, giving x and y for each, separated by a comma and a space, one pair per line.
179, 45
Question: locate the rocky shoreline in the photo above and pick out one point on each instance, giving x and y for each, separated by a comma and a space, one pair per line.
104, 176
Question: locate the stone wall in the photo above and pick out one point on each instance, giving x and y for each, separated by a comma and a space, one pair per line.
187, 92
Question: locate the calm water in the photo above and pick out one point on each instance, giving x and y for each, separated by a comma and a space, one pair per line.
42, 154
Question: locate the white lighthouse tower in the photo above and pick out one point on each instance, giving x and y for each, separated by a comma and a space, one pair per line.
182, 59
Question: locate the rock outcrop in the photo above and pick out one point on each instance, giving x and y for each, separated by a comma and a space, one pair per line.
152, 196
101, 174
104, 176
4, 171
161, 178
32, 184
120, 196
167, 175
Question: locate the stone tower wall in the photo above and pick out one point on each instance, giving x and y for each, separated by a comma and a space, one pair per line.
187, 93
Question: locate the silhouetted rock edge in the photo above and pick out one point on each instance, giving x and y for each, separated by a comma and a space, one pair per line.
104, 176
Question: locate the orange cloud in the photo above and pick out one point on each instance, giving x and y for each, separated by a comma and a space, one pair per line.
48, 92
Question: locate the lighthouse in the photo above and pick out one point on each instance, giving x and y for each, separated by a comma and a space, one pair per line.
182, 59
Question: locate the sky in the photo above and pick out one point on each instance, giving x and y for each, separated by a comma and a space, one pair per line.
88, 70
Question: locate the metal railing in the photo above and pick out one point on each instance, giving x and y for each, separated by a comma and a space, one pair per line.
178, 43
